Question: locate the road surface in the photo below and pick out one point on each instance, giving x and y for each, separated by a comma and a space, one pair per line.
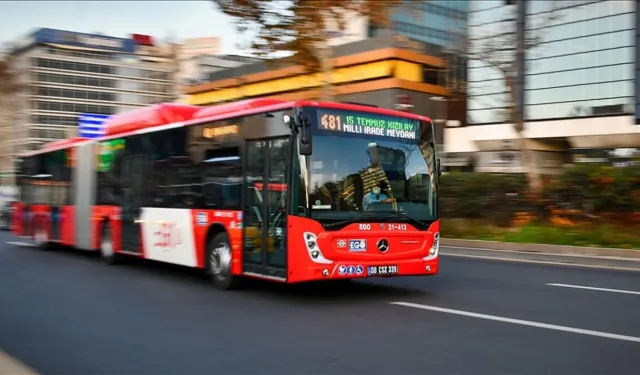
66, 312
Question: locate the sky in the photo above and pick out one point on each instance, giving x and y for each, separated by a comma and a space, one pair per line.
119, 18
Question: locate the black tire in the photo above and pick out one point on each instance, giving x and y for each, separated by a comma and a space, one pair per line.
106, 245
218, 265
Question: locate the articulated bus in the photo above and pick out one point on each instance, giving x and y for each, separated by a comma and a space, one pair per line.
278, 190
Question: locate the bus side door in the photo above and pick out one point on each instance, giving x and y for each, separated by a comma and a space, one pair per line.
264, 212
132, 177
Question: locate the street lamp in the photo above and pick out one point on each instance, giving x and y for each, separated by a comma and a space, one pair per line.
443, 119
442, 115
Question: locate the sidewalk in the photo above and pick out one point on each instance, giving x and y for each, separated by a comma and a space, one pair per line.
622, 259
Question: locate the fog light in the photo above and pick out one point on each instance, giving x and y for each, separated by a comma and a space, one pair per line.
428, 268
325, 272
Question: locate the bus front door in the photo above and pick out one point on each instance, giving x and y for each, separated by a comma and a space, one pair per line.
264, 210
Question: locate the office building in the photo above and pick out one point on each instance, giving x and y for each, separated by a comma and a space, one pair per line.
437, 22
71, 73
192, 47
579, 86
378, 71
197, 69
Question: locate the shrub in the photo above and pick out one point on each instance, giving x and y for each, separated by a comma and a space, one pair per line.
582, 193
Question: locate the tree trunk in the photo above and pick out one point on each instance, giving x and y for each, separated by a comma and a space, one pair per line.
533, 176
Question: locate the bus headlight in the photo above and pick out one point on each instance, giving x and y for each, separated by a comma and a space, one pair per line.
311, 242
433, 252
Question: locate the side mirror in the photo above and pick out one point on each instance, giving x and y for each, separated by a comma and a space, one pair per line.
438, 166
303, 123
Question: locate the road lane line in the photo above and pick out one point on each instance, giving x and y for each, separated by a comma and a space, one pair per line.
519, 321
594, 288
514, 260
18, 243
11, 366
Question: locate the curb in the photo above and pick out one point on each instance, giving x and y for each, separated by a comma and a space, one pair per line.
543, 248
11, 366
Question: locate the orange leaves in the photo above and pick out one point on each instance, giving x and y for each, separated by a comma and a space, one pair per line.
299, 28
523, 218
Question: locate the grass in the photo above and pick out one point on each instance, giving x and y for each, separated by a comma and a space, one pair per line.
604, 235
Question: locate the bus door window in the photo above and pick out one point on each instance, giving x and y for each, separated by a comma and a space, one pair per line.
254, 198
277, 192
134, 169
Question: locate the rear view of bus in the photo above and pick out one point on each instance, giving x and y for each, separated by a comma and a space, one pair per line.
364, 194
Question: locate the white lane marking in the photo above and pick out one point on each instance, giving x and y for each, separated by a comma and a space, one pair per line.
523, 252
520, 322
18, 243
594, 288
500, 259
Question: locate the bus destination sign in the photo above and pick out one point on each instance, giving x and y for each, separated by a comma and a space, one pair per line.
368, 124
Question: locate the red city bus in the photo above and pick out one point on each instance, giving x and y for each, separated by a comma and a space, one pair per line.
264, 188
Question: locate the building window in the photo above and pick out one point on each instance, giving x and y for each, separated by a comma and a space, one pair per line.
76, 94
73, 107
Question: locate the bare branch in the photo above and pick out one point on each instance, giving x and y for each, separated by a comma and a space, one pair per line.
494, 45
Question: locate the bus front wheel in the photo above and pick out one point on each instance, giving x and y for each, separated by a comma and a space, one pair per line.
219, 262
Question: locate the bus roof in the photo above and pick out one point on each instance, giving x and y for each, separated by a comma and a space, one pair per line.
147, 117
241, 106
159, 115
62, 143
55, 145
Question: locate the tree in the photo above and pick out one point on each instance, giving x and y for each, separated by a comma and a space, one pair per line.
10, 90
495, 45
300, 28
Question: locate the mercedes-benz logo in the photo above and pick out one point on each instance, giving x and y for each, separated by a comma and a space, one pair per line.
383, 245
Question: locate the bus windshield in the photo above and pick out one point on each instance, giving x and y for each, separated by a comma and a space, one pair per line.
364, 162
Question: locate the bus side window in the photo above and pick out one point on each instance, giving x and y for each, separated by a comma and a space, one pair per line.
222, 178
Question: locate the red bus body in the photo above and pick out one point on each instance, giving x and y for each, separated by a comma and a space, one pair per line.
176, 183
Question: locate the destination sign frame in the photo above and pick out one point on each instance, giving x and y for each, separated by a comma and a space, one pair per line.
366, 124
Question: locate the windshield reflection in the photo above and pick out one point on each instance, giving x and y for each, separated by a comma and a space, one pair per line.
349, 175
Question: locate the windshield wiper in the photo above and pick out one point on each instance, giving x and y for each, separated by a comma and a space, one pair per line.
377, 216
363, 215
406, 216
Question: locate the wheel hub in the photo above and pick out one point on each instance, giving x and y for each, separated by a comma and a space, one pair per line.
106, 245
220, 260
40, 237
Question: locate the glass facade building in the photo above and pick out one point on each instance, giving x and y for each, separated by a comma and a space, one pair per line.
438, 22
583, 65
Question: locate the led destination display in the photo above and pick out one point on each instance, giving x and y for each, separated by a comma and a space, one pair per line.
368, 124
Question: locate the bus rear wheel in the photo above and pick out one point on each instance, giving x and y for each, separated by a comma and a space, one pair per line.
106, 245
219, 262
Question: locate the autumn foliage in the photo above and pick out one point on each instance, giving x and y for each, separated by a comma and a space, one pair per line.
9, 84
299, 28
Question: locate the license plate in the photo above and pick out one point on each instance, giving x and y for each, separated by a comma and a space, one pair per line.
382, 270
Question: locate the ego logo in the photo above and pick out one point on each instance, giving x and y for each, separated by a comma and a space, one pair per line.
167, 235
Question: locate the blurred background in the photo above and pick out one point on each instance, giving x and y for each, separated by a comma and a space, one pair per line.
535, 102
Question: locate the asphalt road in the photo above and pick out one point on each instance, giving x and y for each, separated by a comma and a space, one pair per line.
66, 312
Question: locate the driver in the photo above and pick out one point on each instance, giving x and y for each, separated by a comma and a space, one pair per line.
375, 195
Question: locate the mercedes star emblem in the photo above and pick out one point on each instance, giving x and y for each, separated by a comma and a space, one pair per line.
383, 245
